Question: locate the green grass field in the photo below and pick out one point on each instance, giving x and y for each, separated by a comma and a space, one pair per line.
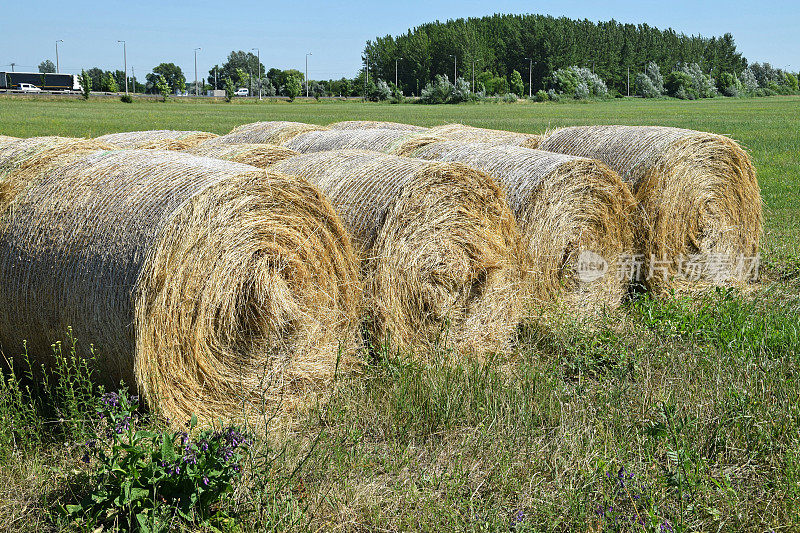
671, 415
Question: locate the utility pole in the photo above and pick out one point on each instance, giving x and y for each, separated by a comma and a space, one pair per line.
133, 75
125, 62
366, 78
629, 81
455, 69
57, 66
196, 90
395, 70
308, 54
12, 67
259, 70
473, 76
215, 78
530, 77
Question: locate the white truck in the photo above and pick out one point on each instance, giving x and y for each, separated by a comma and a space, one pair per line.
29, 88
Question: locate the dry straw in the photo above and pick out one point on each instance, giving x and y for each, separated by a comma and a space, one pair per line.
257, 155
376, 140
23, 160
375, 124
274, 132
570, 211
470, 134
440, 246
699, 199
214, 287
157, 139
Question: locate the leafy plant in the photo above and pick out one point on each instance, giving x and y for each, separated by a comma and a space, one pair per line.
230, 89
516, 84
142, 478
86, 84
293, 87
126, 98
162, 88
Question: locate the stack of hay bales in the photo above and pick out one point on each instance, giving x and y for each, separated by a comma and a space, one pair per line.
571, 211
440, 246
271, 132
470, 134
376, 124
23, 160
257, 155
157, 139
216, 288
700, 204
376, 140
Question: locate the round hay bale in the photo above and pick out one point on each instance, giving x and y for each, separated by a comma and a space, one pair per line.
157, 139
470, 134
376, 124
214, 287
700, 204
257, 155
569, 209
376, 140
22, 160
440, 248
273, 132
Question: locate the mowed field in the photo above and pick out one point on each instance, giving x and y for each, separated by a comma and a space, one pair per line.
666, 415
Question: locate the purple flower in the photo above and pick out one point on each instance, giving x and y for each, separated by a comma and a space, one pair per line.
519, 516
205, 480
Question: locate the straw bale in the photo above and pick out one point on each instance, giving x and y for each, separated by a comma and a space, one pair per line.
464, 133
257, 155
700, 204
440, 248
213, 287
376, 124
157, 139
569, 210
376, 140
272, 132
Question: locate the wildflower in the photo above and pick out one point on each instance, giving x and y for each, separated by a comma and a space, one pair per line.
205, 480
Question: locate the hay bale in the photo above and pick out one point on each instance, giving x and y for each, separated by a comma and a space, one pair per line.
440, 247
210, 285
157, 139
257, 155
569, 209
376, 124
273, 132
376, 140
700, 204
470, 134
22, 160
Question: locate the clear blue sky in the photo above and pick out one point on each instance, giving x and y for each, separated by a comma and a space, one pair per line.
335, 32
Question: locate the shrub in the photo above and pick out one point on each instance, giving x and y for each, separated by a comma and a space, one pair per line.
379, 92
293, 87
680, 85
702, 84
579, 83
553, 95
142, 478
650, 83
728, 84
126, 98
230, 89
565, 81
515, 84
437, 91
162, 88
86, 84
509, 98
540, 96
748, 80
790, 81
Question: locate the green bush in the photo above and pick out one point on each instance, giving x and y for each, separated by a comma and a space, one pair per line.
126, 98
230, 89
540, 96
515, 84
86, 84
680, 85
293, 87
162, 88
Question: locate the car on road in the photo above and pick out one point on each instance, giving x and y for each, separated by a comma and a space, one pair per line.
242, 91
29, 88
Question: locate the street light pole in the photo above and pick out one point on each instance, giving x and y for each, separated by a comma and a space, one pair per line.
530, 77
395, 69
259, 70
196, 90
133, 75
125, 63
455, 69
473, 76
57, 66
308, 54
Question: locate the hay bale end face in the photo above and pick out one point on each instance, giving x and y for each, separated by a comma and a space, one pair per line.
375, 124
257, 155
376, 140
471, 134
440, 247
214, 287
272, 132
157, 139
700, 211
568, 209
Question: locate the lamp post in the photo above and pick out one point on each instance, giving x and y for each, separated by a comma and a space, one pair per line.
125, 63
258, 52
196, 90
133, 75
473, 76
455, 69
530, 77
308, 54
395, 69
57, 66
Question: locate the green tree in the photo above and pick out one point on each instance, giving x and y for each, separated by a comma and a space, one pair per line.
162, 87
110, 84
238, 62
293, 87
86, 84
516, 84
173, 77
47, 67
230, 89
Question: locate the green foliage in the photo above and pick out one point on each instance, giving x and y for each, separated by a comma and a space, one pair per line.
379, 92
238, 63
679, 84
110, 84
650, 83
172, 76
47, 67
86, 84
293, 87
140, 478
441, 91
579, 83
230, 89
516, 85
540, 96
162, 88
729, 85
126, 98
790, 81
